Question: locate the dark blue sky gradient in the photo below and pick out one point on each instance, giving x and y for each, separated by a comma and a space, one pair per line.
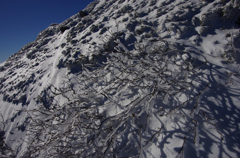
22, 20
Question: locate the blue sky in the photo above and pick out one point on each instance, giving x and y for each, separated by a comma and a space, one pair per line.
22, 20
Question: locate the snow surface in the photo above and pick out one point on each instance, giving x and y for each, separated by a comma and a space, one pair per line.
133, 78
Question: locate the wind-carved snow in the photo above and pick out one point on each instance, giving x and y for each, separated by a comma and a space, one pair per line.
131, 79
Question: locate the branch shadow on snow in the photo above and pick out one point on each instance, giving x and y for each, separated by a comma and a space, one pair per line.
220, 104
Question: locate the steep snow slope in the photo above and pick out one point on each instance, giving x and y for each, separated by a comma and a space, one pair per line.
133, 78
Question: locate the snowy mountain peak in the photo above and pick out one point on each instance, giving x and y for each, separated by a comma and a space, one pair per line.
127, 78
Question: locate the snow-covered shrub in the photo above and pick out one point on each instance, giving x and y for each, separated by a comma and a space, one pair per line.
232, 54
140, 14
60, 64
71, 34
211, 17
125, 9
31, 54
2, 68
132, 25
76, 54
46, 33
63, 45
5, 150
103, 30
150, 34
94, 28
142, 29
152, 2
20, 100
160, 12
86, 35
42, 43
231, 11
125, 19
74, 42
121, 1
105, 18
143, 4
73, 66
67, 51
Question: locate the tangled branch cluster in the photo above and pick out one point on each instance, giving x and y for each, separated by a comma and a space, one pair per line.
119, 108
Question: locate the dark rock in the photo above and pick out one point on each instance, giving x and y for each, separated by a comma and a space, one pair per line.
53, 24
63, 28
45, 33
63, 45
2, 68
82, 13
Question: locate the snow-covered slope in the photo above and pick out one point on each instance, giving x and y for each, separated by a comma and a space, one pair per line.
133, 78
